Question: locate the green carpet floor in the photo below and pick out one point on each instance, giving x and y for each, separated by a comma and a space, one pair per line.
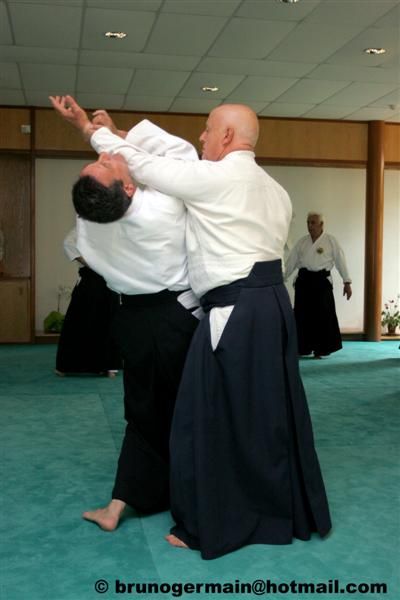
59, 445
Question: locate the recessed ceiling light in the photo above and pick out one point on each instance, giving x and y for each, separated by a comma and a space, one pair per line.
289, 1
116, 35
374, 50
209, 88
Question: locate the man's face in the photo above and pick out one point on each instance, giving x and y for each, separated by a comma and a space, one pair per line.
315, 226
212, 138
107, 169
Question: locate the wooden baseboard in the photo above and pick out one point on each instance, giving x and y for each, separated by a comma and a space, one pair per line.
46, 338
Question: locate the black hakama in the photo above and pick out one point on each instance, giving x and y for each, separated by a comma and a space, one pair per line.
315, 314
85, 344
243, 464
153, 333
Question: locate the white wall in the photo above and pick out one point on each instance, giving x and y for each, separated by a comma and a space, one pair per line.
391, 237
55, 216
338, 193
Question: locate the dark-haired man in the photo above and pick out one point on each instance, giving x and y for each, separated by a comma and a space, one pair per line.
139, 249
243, 464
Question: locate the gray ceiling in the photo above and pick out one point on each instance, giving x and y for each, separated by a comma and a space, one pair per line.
284, 60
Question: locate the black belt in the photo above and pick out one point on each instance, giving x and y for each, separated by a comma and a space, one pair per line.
316, 275
263, 274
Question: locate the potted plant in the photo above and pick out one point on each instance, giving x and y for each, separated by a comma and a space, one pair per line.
391, 316
54, 321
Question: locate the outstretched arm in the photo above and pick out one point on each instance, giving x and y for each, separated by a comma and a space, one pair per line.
71, 112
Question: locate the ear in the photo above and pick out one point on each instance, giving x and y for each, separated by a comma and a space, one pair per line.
129, 189
228, 136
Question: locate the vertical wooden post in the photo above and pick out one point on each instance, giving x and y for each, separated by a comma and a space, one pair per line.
374, 231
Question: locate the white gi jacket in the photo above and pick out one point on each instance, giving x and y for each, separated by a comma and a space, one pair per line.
144, 252
237, 214
324, 253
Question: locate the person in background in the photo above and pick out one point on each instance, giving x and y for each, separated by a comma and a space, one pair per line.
315, 255
86, 344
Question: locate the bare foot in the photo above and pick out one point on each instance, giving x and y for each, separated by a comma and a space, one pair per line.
174, 541
107, 518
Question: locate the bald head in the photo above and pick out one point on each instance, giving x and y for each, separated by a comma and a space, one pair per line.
229, 127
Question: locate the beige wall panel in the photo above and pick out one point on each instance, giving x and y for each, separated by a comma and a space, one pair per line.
11, 137
15, 311
55, 217
312, 140
392, 143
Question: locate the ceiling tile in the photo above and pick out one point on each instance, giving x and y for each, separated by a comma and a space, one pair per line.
394, 118
353, 52
196, 105
148, 103
137, 60
55, 26
354, 73
247, 38
91, 79
281, 109
59, 78
312, 91
370, 114
225, 83
328, 112
360, 94
5, 30
337, 12
254, 67
13, 97
311, 41
49, 2
41, 98
95, 101
9, 76
184, 34
221, 8
260, 89
28, 54
151, 5
385, 101
274, 11
136, 24
390, 19
157, 83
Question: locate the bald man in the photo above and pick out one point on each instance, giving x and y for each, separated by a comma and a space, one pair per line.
243, 464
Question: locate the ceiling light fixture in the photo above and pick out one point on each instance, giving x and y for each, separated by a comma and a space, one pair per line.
289, 1
375, 51
115, 35
209, 88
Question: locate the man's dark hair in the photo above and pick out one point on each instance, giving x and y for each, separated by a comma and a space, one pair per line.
94, 201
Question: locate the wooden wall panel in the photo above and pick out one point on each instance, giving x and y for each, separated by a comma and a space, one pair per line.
392, 143
15, 215
52, 133
297, 139
11, 137
288, 139
15, 321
